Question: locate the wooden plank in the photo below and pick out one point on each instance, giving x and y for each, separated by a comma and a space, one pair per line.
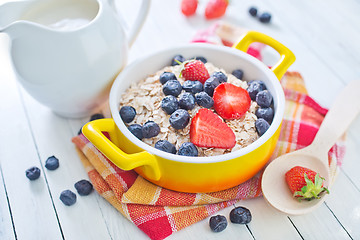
7, 230
31, 204
53, 135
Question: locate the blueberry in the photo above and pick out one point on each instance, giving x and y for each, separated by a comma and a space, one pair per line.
52, 163
218, 223
172, 87
83, 187
179, 119
33, 173
240, 215
150, 129
68, 197
265, 17
210, 85
253, 11
136, 129
203, 99
193, 86
96, 116
186, 101
254, 87
188, 149
166, 146
169, 104
201, 58
166, 76
80, 131
264, 98
127, 113
220, 76
261, 126
265, 113
176, 58
238, 73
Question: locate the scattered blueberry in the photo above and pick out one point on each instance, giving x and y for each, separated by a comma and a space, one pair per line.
264, 98
83, 187
210, 85
96, 116
172, 87
201, 58
169, 104
179, 58
166, 146
238, 73
193, 86
179, 119
33, 173
220, 76
186, 101
136, 130
254, 87
253, 11
218, 223
261, 126
188, 149
68, 197
166, 76
265, 113
203, 99
52, 163
127, 113
150, 129
265, 17
240, 215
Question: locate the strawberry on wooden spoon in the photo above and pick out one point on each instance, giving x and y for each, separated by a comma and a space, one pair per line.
208, 130
230, 101
305, 183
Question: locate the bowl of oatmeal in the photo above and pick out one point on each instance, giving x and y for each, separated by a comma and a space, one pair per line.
195, 131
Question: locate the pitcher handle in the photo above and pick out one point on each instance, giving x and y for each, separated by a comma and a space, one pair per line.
93, 131
139, 21
286, 56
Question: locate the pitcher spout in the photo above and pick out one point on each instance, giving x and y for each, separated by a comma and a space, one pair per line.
11, 13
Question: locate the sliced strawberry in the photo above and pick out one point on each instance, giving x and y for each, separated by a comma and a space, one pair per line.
305, 183
195, 70
230, 101
208, 130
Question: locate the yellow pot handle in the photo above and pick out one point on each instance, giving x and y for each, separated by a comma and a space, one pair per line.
286, 56
93, 132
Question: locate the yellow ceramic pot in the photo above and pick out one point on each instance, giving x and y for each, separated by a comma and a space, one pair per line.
194, 174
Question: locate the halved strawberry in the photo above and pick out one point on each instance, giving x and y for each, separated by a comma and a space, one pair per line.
230, 101
208, 130
195, 70
305, 183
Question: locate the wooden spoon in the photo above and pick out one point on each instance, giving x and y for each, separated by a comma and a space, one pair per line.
315, 156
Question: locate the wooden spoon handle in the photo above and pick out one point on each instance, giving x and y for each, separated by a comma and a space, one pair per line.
343, 111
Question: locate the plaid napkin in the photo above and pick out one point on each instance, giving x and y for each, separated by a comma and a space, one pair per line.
159, 212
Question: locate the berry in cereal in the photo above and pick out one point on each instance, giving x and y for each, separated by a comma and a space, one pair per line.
208, 130
230, 101
188, 149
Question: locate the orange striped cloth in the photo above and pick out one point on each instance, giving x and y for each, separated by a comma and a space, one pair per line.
159, 212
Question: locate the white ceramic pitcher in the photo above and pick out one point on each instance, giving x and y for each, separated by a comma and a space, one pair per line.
66, 53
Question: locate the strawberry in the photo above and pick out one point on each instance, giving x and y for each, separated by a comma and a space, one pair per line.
216, 8
208, 130
305, 183
230, 101
188, 7
195, 70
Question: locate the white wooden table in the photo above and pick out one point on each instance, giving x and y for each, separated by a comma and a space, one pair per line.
325, 37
